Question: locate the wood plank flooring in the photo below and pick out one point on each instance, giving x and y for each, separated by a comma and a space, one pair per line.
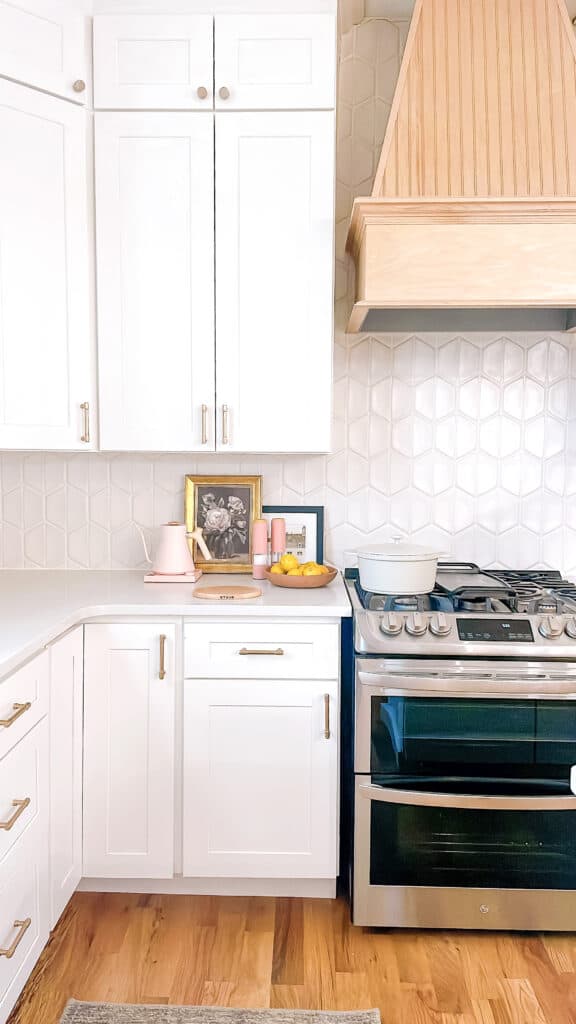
295, 953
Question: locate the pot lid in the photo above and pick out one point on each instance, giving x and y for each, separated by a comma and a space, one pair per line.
398, 551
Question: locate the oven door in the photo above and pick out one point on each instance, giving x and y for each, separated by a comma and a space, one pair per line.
458, 718
464, 853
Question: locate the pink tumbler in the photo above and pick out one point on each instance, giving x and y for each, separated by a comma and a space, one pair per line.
259, 549
278, 541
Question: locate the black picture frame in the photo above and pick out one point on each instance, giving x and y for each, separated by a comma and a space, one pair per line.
273, 511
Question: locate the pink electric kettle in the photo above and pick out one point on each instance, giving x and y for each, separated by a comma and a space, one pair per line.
173, 556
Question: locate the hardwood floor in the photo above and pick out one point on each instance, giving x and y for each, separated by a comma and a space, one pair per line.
295, 953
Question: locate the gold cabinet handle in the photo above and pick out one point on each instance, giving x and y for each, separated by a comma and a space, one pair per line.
204, 424
202, 92
162, 672
225, 438
79, 85
275, 654
85, 406
19, 709
20, 806
326, 716
23, 926
224, 92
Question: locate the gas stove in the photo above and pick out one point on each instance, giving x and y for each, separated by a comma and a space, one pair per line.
471, 612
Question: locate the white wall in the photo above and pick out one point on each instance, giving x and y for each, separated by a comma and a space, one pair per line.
466, 441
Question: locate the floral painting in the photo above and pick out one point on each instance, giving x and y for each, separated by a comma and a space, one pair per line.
224, 509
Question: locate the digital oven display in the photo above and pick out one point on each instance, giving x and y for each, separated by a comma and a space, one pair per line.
495, 630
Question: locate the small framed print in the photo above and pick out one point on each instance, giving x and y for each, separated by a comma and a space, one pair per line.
224, 507
304, 529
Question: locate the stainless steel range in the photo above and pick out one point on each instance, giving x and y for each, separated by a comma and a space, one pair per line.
464, 747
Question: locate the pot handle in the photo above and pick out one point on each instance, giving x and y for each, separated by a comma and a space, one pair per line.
350, 559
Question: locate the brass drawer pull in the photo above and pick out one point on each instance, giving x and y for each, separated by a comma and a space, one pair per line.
225, 431
277, 653
204, 424
20, 806
326, 716
19, 709
85, 406
162, 672
23, 926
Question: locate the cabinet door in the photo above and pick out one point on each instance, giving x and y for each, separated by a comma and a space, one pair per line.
43, 43
275, 61
129, 751
45, 344
153, 61
155, 256
274, 273
260, 779
66, 699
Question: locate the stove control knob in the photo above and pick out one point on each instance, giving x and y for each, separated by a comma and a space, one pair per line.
391, 624
551, 627
416, 624
438, 625
570, 628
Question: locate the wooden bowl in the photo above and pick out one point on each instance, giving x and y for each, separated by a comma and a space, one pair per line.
302, 582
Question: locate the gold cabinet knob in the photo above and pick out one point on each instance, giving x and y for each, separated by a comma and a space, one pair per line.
79, 85
202, 92
224, 92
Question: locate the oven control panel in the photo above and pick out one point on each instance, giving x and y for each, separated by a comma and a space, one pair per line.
487, 630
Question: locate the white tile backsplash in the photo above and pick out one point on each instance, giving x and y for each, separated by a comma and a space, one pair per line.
467, 442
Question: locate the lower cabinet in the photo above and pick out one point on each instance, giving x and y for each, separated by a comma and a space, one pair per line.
260, 778
66, 700
129, 698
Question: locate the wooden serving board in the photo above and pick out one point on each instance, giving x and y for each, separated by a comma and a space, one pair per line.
232, 593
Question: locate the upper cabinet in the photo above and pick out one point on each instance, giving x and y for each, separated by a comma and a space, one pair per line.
275, 61
153, 61
45, 341
42, 43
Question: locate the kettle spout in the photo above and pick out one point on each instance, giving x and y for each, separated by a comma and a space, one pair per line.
196, 535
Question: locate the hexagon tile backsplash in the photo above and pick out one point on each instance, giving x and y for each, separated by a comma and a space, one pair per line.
465, 442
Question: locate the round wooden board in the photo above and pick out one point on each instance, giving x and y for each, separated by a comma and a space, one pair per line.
232, 593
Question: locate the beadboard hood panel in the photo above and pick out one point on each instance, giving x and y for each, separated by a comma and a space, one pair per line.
471, 222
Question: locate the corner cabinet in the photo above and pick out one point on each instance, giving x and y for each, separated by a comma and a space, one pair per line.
43, 44
45, 341
129, 713
215, 232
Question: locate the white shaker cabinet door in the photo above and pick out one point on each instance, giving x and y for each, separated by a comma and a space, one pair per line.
274, 273
153, 61
43, 44
66, 701
155, 264
260, 779
275, 61
129, 750
45, 341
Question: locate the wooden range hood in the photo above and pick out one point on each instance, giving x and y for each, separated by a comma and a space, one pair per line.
472, 220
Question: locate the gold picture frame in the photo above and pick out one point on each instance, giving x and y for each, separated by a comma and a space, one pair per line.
224, 507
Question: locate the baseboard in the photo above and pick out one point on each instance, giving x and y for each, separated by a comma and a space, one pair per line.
317, 888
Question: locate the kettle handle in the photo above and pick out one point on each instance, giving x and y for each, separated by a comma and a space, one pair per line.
146, 554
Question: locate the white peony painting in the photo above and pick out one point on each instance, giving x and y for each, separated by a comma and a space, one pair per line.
224, 508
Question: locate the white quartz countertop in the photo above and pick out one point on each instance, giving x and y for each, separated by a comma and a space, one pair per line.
36, 606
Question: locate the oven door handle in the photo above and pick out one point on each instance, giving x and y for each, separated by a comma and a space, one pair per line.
465, 801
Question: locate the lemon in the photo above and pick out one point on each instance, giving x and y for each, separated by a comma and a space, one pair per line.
295, 572
312, 570
288, 562
324, 570
277, 570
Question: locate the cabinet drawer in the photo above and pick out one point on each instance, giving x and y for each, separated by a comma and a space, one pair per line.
23, 914
253, 651
23, 701
275, 61
23, 787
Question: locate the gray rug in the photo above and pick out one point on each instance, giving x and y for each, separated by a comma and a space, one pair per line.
116, 1013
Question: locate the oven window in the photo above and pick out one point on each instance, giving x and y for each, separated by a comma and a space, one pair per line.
409, 733
447, 846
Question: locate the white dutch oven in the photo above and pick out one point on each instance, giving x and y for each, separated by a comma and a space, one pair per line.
398, 568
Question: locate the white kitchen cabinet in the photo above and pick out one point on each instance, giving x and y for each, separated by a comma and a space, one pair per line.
45, 343
24, 701
153, 61
260, 779
129, 693
155, 262
43, 44
274, 280
66, 701
275, 61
